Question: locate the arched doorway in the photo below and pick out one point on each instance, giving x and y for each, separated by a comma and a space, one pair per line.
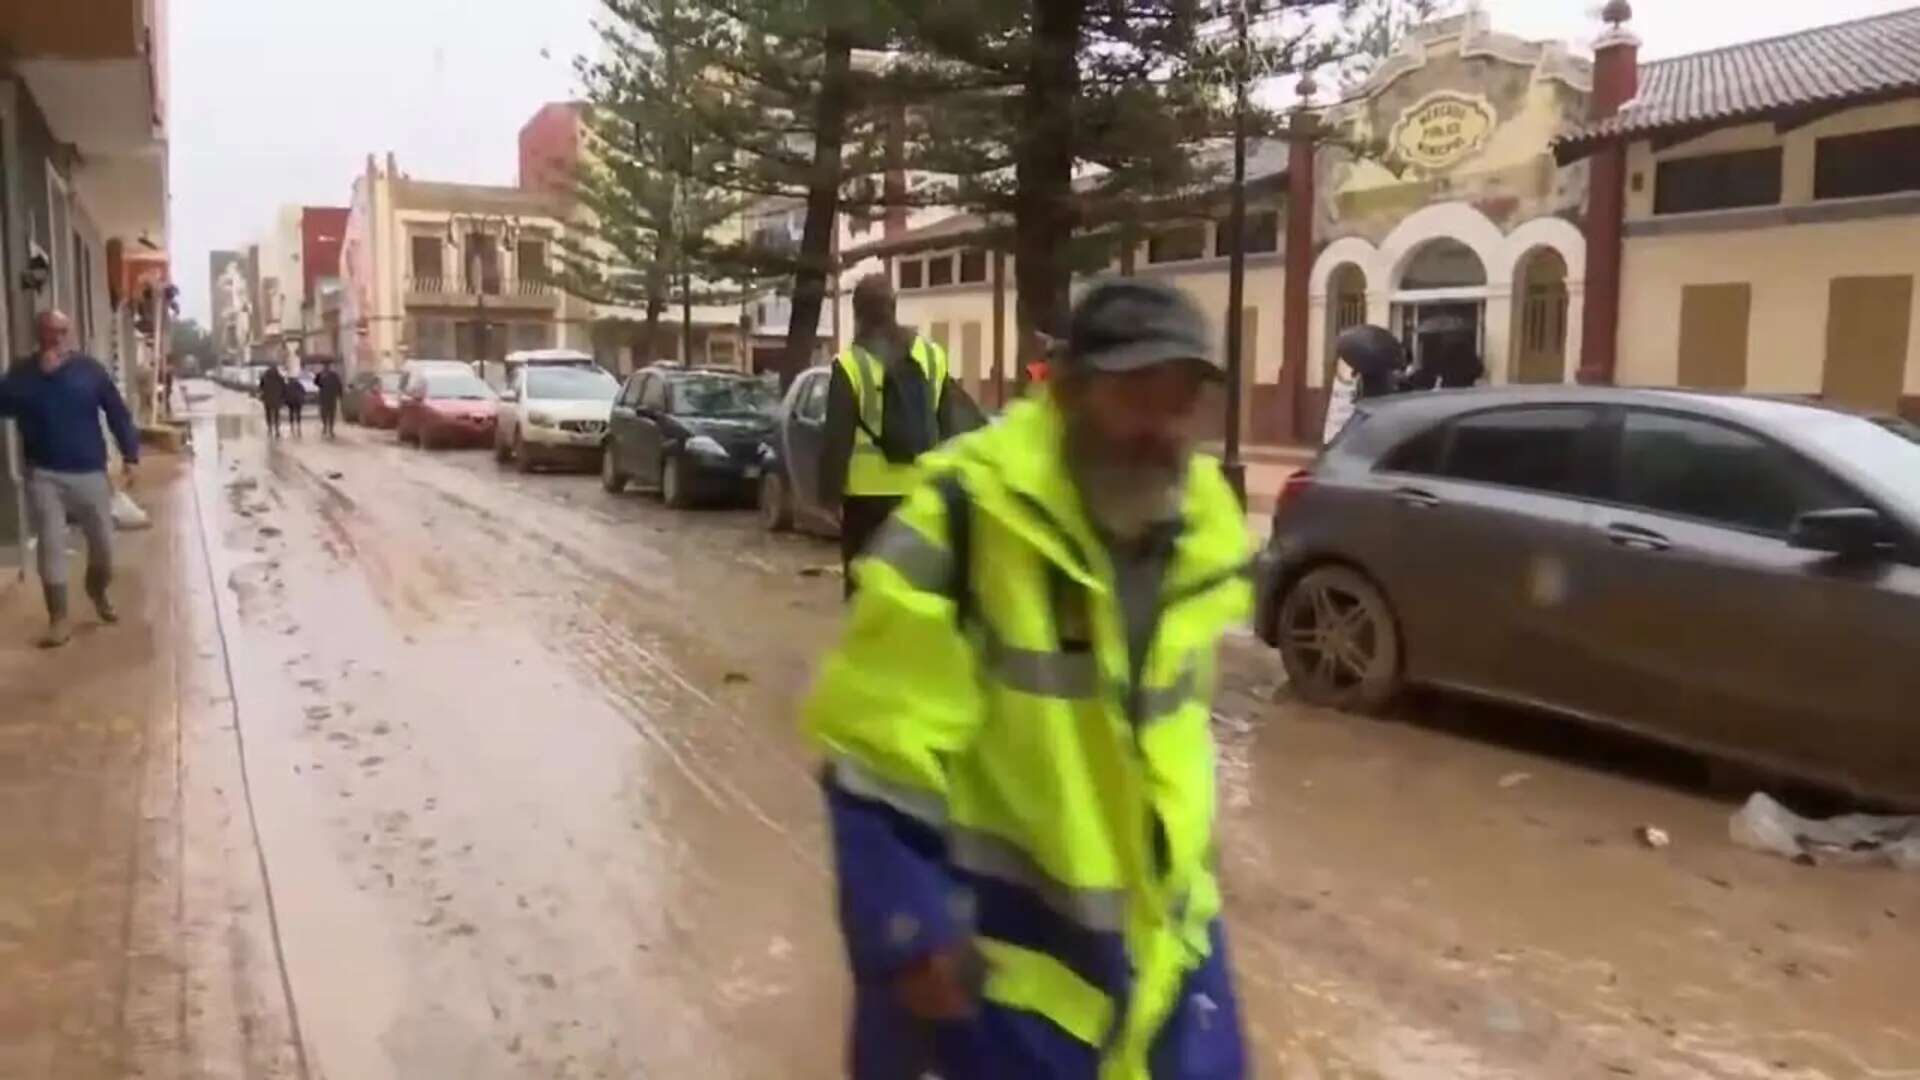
1440, 301
1346, 307
1540, 324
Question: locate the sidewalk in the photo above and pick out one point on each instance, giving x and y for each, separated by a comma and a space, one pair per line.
130, 942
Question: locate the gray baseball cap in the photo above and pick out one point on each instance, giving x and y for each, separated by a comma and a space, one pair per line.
1125, 324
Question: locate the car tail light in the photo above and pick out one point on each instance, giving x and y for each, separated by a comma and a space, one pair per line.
1294, 487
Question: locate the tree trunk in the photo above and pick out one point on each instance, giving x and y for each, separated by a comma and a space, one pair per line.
1043, 173
650, 332
823, 207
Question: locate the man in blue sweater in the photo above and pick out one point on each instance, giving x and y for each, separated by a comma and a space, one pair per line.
56, 396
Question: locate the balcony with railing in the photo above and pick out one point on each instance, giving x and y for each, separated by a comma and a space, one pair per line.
525, 293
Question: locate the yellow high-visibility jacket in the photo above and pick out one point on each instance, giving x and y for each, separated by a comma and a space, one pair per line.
997, 774
868, 471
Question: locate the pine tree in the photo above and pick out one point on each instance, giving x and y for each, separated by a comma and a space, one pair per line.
1061, 115
796, 120
646, 238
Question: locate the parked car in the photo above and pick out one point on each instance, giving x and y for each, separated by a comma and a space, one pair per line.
373, 399
690, 433
790, 484
551, 414
1731, 574
500, 374
444, 407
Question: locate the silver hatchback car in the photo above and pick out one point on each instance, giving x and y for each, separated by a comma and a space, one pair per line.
1736, 575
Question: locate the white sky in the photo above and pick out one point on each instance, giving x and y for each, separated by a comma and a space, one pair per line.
279, 101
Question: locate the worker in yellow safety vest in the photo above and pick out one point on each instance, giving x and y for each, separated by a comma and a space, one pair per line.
891, 398
1019, 769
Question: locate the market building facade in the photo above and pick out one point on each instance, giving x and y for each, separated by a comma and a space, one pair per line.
1741, 219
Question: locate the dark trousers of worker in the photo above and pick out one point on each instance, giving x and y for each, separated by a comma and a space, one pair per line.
328, 411
860, 517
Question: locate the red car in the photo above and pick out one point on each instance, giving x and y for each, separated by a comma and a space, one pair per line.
373, 399
446, 407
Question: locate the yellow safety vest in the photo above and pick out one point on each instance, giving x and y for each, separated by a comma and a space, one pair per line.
869, 472
1021, 734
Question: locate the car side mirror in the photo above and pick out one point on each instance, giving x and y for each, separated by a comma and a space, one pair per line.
1849, 532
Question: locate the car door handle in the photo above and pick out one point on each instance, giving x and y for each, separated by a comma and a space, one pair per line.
1637, 538
1418, 498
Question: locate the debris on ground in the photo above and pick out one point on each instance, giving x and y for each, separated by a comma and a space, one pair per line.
1515, 779
1652, 837
1765, 825
733, 677
822, 570
336, 475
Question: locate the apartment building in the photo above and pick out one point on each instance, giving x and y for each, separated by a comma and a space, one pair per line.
452, 270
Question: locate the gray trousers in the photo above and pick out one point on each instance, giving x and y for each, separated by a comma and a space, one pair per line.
54, 498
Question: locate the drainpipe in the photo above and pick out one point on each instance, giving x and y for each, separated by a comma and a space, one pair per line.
1616, 79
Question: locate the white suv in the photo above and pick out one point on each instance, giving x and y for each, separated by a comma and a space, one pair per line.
554, 414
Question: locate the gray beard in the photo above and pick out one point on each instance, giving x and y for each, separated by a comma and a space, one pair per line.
1126, 501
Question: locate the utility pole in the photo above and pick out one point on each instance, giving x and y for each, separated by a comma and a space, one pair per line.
1235, 469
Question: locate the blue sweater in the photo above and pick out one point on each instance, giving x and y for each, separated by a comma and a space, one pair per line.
59, 414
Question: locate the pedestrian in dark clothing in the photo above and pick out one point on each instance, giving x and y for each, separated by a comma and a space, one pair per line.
879, 334
296, 402
328, 382
57, 397
273, 398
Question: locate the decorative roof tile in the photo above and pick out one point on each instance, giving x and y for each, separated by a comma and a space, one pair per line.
1832, 65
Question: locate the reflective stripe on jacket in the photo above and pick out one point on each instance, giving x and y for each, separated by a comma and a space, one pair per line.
868, 471
1043, 805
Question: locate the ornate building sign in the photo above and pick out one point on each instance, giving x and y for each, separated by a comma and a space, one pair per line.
1442, 128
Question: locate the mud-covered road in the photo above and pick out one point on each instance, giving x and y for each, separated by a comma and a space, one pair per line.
530, 798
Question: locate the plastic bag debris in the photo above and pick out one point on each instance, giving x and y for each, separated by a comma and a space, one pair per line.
127, 514
1765, 825
1655, 838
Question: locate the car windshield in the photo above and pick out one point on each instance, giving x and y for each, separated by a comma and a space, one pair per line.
452, 386
571, 384
722, 395
1886, 449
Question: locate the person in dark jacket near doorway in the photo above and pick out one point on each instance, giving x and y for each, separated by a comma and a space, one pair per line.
328, 382
877, 332
273, 398
57, 397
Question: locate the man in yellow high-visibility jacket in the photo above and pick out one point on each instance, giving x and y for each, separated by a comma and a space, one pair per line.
1019, 764
855, 475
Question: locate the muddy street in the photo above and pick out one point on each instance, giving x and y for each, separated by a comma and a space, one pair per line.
526, 798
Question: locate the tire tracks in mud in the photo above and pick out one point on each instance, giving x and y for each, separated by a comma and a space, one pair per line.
632, 666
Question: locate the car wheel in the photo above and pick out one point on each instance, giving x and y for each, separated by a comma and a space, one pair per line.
775, 509
522, 459
611, 477
675, 489
1339, 641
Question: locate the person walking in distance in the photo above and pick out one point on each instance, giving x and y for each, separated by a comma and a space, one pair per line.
273, 398
328, 383
57, 397
296, 402
1019, 767
891, 398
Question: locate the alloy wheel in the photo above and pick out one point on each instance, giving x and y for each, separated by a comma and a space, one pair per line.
1339, 641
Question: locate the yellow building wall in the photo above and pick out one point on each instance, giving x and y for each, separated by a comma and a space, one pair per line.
1790, 269
1789, 266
